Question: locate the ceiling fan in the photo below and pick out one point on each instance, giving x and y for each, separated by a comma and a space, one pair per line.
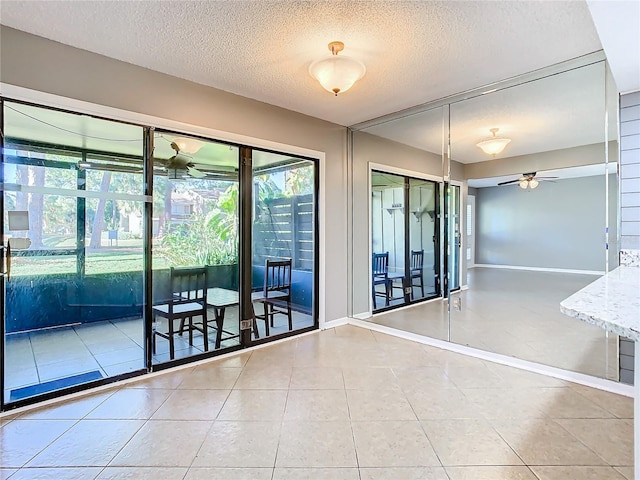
527, 180
180, 164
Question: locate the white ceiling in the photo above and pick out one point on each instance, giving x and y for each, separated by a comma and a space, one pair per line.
414, 51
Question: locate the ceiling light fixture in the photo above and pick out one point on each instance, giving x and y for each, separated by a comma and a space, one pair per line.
188, 145
337, 74
528, 182
493, 145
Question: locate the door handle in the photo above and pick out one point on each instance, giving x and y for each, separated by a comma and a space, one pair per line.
8, 273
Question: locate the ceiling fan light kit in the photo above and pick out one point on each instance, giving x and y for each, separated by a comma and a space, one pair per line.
180, 166
530, 183
187, 145
493, 145
527, 180
337, 74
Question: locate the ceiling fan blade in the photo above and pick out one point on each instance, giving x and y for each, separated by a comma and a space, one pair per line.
510, 181
194, 172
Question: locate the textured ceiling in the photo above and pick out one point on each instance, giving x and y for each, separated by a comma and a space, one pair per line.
414, 51
556, 112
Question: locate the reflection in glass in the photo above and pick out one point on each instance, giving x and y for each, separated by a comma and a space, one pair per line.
407, 154
403, 241
539, 216
73, 284
423, 239
387, 239
454, 235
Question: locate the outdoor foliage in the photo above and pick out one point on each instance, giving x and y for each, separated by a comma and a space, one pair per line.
205, 239
206, 233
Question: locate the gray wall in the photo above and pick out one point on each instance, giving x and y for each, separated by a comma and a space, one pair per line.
629, 201
630, 171
40, 64
538, 162
557, 225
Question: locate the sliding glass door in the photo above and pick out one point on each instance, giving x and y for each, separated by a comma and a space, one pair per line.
404, 240
194, 247
284, 232
121, 250
72, 238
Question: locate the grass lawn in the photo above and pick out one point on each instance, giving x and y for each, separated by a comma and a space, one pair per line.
96, 263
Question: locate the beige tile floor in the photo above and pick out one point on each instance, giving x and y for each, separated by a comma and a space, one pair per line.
110, 347
341, 404
516, 313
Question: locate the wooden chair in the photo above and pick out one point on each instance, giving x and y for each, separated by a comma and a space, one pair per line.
417, 263
188, 300
380, 276
275, 295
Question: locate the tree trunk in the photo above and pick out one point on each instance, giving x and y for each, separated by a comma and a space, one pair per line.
165, 219
36, 209
98, 221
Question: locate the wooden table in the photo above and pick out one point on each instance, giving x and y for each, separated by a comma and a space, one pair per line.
219, 299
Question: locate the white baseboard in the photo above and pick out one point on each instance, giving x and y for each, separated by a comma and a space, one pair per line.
575, 377
541, 269
362, 316
338, 322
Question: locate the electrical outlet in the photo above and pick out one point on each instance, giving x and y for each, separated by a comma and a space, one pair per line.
245, 324
457, 304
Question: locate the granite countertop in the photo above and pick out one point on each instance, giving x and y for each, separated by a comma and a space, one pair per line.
612, 302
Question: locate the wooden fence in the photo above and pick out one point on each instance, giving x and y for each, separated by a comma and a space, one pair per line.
284, 228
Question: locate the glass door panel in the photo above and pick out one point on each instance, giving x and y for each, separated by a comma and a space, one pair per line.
194, 247
284, 251
455, 237
387, 239
424, 232
73, 299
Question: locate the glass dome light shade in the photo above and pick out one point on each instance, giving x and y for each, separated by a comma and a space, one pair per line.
523, 184
188, 145
337, 73
493, 146
533, 183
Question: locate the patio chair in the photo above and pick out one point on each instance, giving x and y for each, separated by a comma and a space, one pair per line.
275, 295
188, 301
417, 269
380, 276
